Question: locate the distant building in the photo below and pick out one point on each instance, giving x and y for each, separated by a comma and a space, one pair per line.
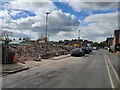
110, 41
86, 42
116, 37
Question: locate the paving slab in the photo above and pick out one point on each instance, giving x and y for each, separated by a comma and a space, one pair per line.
60, 57
13, 68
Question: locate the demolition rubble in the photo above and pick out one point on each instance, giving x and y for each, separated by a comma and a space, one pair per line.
31, 52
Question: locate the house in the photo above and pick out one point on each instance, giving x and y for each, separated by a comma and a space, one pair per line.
117, 40
110, 41
116, 37
86, 42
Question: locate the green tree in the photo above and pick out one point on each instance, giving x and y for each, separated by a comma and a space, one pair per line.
95, 44
103, 44
20, 38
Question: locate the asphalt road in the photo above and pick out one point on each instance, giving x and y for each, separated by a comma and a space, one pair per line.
96, 70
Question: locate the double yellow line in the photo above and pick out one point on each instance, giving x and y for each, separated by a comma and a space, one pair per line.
108, 62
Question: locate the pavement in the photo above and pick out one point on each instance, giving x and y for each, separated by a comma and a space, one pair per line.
118, 52
13, 68
60, 57
17, 67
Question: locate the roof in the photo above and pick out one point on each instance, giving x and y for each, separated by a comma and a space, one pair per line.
15, 42
18, 42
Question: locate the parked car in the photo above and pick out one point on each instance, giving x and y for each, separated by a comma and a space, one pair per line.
90, 48
106, 48
110, 49
95, 48
77, 52
86, 50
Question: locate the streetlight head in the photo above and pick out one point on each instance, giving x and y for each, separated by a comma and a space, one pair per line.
47, 12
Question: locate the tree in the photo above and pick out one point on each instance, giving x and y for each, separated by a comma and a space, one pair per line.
103, 44
14, 39
6, 34
23, 38
20, 38
60, 41
95, 44
26, 39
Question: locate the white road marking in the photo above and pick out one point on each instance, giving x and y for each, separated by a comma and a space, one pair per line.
110, 77
113, 69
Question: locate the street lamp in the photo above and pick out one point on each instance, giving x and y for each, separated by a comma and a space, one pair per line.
47, 13
78, 35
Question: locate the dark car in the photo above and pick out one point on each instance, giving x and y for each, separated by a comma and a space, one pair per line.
110, 49
89, 46
86, 50
77, 52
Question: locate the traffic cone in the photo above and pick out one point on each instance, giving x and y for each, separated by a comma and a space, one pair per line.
14, 59
39, 57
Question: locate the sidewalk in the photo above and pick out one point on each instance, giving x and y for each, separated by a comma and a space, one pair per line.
14, 68
60, 57
118, 52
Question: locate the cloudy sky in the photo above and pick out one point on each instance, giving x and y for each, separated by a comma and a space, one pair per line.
96, 20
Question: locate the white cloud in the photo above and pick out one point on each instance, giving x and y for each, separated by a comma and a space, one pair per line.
60, 25
5, 15
100, 26
22, 34
87, 6
86, 0
13, 13
58, 21
32, 5
32, 26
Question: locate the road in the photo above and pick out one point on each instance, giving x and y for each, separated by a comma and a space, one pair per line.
95, 70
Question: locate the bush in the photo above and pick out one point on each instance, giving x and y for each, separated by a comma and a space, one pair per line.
113, 50
117, 47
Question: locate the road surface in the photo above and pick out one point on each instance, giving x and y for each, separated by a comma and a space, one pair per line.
95, 70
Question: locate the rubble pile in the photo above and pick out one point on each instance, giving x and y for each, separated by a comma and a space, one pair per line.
31, 52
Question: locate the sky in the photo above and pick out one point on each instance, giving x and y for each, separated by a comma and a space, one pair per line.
95, 20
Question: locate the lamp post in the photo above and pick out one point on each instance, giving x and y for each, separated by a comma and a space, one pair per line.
78, 35
79, 38
47, 13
